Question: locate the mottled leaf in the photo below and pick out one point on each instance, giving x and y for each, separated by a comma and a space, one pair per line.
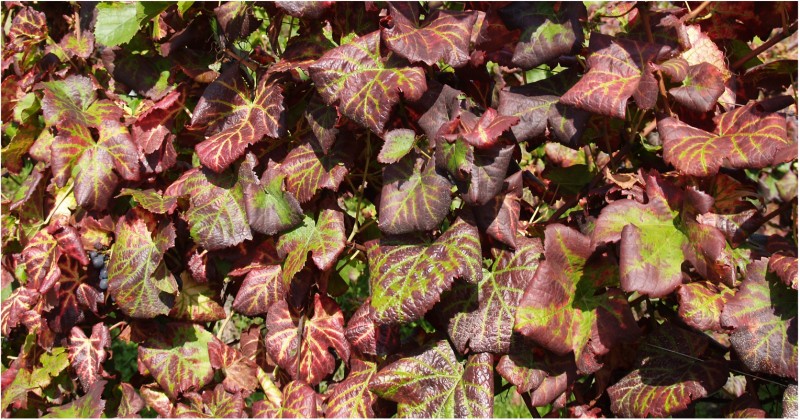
306, 357
763, 318
261, 288
269, 208
562, 309
308, 168
396, 144
790, 402
370, 338
177, 358
362, 84
351, 397
785, 267
139, 282
241, 373
547, 32
485, 131
700, 304
665, 381
197, 302
499, 217
152, 200
218, 403
15, 308
414, 197
90, 405
618, 69
217, 217
87, 354
131, 403
324, 238
443, 36
73, 101
407, 279
299, 401
41, 256
747, 137
480, 317
28, 28
432, 382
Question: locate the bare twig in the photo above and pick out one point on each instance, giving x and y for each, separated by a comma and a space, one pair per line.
696, 12
662, 89
780, 36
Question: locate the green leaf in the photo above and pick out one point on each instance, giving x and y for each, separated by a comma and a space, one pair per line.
139, 281
151, 200
407, 279
665, 381
364, 86
177, 357
480, 317
197, 302
269, 208
396, 144
89, 405
431, 382
74, 101
323, 238
117, 23
414, 197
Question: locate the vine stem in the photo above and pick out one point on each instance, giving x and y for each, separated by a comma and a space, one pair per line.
361, 189
780, 36
696, 12
662, 89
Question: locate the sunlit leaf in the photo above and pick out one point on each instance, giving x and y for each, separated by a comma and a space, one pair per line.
87, 354
308, 168
177, 358
299, 401
352, 397
324, 238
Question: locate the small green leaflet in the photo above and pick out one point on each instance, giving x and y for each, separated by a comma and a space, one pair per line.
324, 238
117, 23
407, 279
396, 144
432, 382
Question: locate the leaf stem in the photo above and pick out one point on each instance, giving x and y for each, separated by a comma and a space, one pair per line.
780, 36
662, 89
361, 187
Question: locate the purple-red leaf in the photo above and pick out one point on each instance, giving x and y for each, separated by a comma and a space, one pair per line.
299, 401
549, 30
324, 238
351, 397
700, 88
262, 287
87, 354
241, 372
370, 338
308, 168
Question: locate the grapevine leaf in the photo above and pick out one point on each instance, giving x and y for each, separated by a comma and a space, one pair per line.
323, 120
363, 85
157, 399
676, 69
351, 397
15, 308
747, 137
196, 302
700, 304
367, 337
323, 238
217, 216
241, 373
41, 256
299, 401
177, 357
212, 404
785, 267
138, 279
151, 200
481, 317
28, 28
790, 402
443, 36
537, 106
131, 402
308, 168
246, 121
664, 381
414, 196
90, 405
87, 354
307, 357
561, 309
407, 279
546, 33
73, 101
763, 318
431, 382
499, 217
262, 287
700, 89
445, 103
485, 132
618, 69
269, 208
531, 369
396, 144
117, 23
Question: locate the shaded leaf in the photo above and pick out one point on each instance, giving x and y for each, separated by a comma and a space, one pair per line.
790, 402
89, 405
664, 381
138, 279
407, 279
443, 36
747, 137
131, 403
241, 372
178, 359
431, 382
485, 132
367, 337
324, 238
763, 318
212, 404
548, 32
700, 89
785, 267
197, 302
362, 84
269, 208
545, 376
618, 69
499, 218
414, 197
480, 317
306, 357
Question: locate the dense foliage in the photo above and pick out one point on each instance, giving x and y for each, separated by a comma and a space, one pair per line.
374, 209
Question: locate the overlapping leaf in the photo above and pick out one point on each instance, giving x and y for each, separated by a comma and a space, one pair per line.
407, 279
480, 318
73, 101
218, 403
396, 144
700, 304
299, 401
618, 69
262, 287
499, 217
785, 267
177, 358
367, 337
197, 302
414, 197
89, 405
747, 137
243, 120
351, 397
241, 372
87, 354
700, 88
664, 381
443, 36
562, 309
363, 85
306, 357
324, 238
432, 382
217, 216
269, 208
546, 377
548, 32
131, 403
483, 132
308, 168
763, 319
151, 200
139, 281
